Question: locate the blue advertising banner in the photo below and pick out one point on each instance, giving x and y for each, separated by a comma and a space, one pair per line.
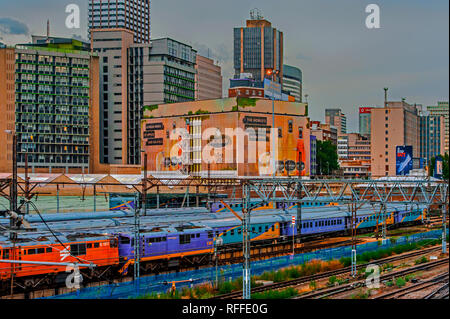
404, 163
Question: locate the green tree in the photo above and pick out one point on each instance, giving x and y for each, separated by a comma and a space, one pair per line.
327, 158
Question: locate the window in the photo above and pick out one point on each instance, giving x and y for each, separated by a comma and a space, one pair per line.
232, 232
96, 245
185, 239
210, 234
88, 246
124, 240
197, 235
32, 251
78, 249
192, 235
41, 250
290, 126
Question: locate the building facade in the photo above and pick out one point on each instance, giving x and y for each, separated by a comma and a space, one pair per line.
54, 84
324, 132
202, 138
293, 82
441, 109
112, 48
392, 126
364, 120
336, 118
208, 79
258, 47
160, 73
432, 137
133, 15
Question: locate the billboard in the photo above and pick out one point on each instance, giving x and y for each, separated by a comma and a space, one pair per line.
365, 110
438, 167
272, 88
404, 162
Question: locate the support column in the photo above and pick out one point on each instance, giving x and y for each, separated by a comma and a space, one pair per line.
444, 229
246, 274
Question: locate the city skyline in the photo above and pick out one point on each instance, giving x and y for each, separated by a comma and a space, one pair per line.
345, 65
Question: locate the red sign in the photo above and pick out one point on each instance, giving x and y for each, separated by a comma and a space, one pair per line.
364, 110
293, 220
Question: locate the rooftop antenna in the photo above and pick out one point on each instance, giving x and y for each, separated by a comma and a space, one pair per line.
385, 97
255, 14
48, 29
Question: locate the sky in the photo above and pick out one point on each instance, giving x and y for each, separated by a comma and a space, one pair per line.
344, 64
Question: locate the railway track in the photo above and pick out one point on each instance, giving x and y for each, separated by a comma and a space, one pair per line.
440, 293
306, 279
415, 287
337, 290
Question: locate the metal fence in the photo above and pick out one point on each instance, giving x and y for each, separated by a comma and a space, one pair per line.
156, 283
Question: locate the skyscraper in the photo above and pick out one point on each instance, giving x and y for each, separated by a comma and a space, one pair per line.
336, 118
364, 120
133, 15
293, 82
51, 104
441, 109
208, 79
258, 47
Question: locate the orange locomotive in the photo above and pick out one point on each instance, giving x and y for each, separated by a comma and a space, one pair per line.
85, 249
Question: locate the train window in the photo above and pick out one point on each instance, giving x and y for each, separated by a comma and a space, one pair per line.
266, 228
185, 239
273, 228
6, 254
217, 234
89, 246
210, 234
96, 245
163, 239
78, 249
253, 229
31, 251
260, 229
198, 235
239, 231
48, 250
113, 243
192, 235
124, 240
232, 232
41, 250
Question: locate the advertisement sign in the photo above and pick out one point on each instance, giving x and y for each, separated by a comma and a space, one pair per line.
272, 88
404, 163
438, 167
365, 110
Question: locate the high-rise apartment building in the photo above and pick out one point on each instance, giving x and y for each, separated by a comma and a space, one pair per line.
392, 126
50, 102
441, 109
258, 47
112, 48
208, 79
336, 118
133, 15
364, 120
161, 72
293, 82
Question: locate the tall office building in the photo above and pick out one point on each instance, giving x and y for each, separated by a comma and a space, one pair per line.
133, 15
364, 120
336, 118
161, 72
50, 101
112, 48
293, 82
441, 109
258, 47
432, 136
208, 79
392, 126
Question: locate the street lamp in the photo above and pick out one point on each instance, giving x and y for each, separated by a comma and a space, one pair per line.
273, 73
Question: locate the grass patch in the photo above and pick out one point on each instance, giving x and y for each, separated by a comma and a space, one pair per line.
421, 260
276, 294
361, 294
400, 282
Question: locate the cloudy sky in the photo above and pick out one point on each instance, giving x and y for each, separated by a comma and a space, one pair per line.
344, 64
